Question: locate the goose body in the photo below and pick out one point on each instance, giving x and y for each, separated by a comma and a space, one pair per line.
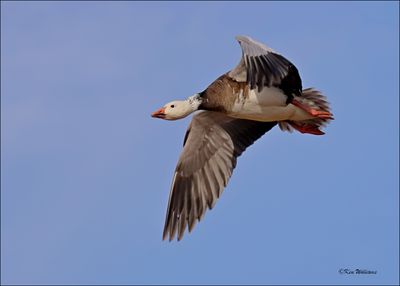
263, 90
239, 101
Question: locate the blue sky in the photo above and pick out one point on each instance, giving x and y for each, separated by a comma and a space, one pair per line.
86, 171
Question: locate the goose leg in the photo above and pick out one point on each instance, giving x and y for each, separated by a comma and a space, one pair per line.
312, 111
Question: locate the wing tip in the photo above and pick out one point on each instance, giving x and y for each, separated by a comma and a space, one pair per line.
170, 237
240, 38
165, 234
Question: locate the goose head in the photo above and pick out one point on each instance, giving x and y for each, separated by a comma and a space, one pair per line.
178, 109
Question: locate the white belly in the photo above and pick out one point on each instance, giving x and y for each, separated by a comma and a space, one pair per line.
268, 105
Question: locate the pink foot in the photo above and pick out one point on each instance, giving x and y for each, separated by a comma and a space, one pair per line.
310, 129
314, 112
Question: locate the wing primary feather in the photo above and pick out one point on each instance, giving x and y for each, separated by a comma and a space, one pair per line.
260, 74
210, 194
182, 222
169, 215
200, 194
250, 72
193, 195
214, 180
173, 226
269, 75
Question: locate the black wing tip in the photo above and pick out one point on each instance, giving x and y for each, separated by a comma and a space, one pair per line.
170, 237
170, 234
164, 235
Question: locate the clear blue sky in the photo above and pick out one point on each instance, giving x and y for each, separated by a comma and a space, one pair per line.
86, 171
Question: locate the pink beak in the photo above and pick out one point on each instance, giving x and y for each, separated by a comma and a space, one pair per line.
160, 113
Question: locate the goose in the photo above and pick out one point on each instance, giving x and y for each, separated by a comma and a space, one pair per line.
235, 110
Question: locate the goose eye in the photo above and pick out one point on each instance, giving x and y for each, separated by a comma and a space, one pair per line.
172, 106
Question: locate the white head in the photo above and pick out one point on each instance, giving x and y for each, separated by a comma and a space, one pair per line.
178, 109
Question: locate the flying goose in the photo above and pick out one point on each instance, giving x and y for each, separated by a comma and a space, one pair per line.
263, 90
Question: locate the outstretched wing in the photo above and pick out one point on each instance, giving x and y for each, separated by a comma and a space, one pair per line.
212, 143
261, 66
